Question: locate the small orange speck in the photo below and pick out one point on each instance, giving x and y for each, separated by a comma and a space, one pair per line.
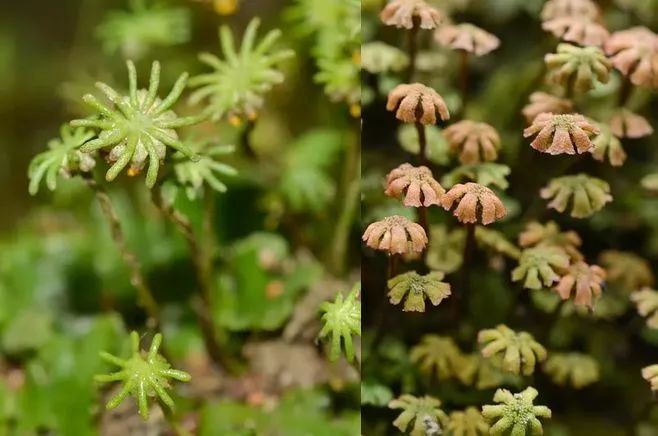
355, 110
234, 120
356, 57
274, 289
132, 172
225, 7
255, 398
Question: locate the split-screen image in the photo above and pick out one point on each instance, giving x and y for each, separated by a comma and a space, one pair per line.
329, 218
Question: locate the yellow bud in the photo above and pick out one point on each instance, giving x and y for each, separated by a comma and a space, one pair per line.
132, 172
356, 57
252, 116
234, 120
225, 7
355, 110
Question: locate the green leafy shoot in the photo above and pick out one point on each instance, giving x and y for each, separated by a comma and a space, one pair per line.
142, 375
194, 175
305, 183
142, 28
63, 157
586, 195
342, 319
137, 127
241, 78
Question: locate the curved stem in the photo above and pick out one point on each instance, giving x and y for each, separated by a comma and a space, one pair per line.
173, 421
424, 223
202, 259
144, 294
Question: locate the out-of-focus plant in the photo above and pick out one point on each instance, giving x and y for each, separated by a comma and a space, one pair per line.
575, 369
335, 30
63, 158
436, 355
424, 412
242, 76
646, 301
147, 25
519, 352
193, 176
469, 422
585, 194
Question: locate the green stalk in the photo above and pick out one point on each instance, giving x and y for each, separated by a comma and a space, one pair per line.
202, 259
351, 182
145, 297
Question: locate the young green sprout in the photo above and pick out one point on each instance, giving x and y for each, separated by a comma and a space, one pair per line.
63, 158
342, 319
143, 375
138, 126
194, 176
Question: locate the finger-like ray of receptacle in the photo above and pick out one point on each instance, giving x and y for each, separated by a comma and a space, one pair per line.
132, 81
142, 400
96, 124
154, 167
124, 159
154, 83
115, 98
92, 101
174, 143
112, 359
107, 378
164, 396
118, 398
173, 96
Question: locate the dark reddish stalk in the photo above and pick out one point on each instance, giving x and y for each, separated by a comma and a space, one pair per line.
422, 143
412, 49
469, 249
